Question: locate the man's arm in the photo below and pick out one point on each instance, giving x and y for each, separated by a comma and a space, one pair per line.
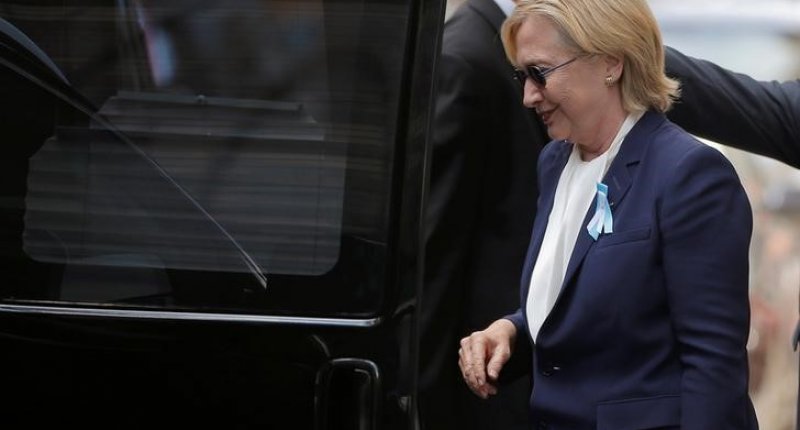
736, 110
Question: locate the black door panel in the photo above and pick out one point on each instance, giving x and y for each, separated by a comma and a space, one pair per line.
209, 211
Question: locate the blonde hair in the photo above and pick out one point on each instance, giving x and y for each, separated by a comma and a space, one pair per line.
624, 29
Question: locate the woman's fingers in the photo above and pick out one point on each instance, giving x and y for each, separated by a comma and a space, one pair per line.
472, 360
482, 356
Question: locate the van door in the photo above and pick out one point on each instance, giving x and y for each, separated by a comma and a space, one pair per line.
210, 211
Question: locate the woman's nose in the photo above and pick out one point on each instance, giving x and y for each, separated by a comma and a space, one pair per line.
531, 94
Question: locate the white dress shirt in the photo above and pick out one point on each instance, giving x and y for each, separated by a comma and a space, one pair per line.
575, 192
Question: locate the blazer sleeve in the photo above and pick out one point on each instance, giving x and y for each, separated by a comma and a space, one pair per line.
706, 223
522, 352
736, 110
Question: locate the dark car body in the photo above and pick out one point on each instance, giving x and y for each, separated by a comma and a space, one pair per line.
210, 211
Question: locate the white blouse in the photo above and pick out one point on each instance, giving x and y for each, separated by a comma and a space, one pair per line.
575, 192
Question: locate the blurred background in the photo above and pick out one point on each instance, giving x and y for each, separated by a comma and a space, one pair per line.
760, 38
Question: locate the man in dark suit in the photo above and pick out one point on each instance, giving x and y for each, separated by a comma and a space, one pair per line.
480, 210
736, 110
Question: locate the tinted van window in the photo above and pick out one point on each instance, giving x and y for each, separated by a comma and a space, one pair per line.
225, 156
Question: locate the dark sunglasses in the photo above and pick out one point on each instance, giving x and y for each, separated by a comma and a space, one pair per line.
538, 74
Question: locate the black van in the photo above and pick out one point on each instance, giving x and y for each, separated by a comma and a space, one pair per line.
210, 211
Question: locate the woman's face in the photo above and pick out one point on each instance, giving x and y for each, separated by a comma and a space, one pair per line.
574, 102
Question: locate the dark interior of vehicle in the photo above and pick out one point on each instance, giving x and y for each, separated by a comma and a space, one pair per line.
179, 184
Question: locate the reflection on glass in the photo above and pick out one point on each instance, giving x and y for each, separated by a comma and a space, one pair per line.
230, 142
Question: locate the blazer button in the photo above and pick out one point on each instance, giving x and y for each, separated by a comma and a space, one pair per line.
550, 369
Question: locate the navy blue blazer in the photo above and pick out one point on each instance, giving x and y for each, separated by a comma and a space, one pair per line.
650, 326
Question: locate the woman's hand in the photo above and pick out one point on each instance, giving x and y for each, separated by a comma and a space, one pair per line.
483, 355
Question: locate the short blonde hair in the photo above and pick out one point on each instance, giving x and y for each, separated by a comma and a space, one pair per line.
624, 29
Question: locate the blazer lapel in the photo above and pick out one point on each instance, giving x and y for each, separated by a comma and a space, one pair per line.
547, 193
618, 178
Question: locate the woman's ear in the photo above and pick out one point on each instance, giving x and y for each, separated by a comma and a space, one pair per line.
613, 66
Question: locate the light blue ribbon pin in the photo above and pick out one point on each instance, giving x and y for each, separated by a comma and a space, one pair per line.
602, 221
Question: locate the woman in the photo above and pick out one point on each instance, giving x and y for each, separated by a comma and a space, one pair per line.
634, 290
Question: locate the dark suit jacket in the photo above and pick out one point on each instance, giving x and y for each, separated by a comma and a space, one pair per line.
735, 109
651, 324
480, 210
